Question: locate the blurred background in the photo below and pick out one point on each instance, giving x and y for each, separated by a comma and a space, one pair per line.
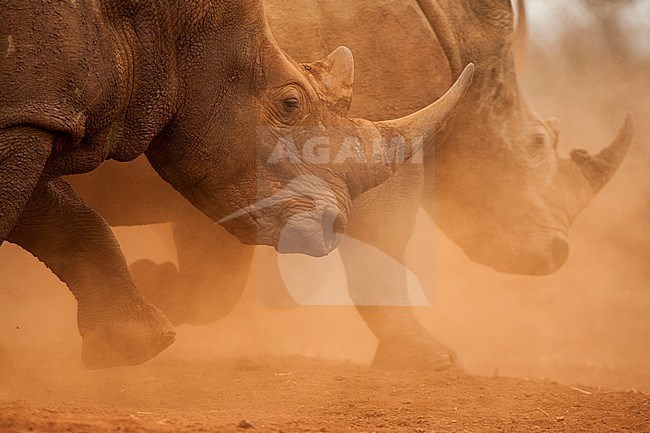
587, 63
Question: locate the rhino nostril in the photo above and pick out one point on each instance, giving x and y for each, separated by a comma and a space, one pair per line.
339, 224
333, 223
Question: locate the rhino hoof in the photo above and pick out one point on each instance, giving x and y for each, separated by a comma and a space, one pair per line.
131, 340
404, 355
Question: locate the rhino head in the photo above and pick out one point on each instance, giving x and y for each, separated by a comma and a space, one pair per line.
277, 162
502, 192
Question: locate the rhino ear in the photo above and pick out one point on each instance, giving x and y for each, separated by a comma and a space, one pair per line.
335, 76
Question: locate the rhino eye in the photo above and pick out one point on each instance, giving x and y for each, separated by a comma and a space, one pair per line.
537, 146
538, 142
290, 104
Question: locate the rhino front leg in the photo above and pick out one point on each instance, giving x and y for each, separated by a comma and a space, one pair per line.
212, 273
384, 218
117, 324
23, 153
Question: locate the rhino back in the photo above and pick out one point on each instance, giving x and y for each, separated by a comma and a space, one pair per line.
101, 74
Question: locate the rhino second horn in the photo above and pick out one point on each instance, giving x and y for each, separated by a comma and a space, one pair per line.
599, 169
340, 64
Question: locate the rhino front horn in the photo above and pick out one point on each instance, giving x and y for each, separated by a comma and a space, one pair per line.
400, 139
599, 169
420, 128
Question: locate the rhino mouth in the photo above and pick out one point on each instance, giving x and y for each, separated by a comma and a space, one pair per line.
303, 217
531, 257
315, 233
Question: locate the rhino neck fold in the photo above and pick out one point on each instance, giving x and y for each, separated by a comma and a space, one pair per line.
483, 39
145, 53
219, 97
185, 53
438, 20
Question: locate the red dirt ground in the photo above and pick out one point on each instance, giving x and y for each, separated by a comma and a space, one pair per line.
305, 395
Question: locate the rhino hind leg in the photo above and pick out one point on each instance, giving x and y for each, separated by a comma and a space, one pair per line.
117, 324
210, 279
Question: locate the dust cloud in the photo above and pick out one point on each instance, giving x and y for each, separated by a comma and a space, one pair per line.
588, 323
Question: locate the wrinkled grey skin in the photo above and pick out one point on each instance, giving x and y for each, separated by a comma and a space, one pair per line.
205, 92
495, 184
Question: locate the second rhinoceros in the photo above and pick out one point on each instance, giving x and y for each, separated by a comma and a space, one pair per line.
205, 92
